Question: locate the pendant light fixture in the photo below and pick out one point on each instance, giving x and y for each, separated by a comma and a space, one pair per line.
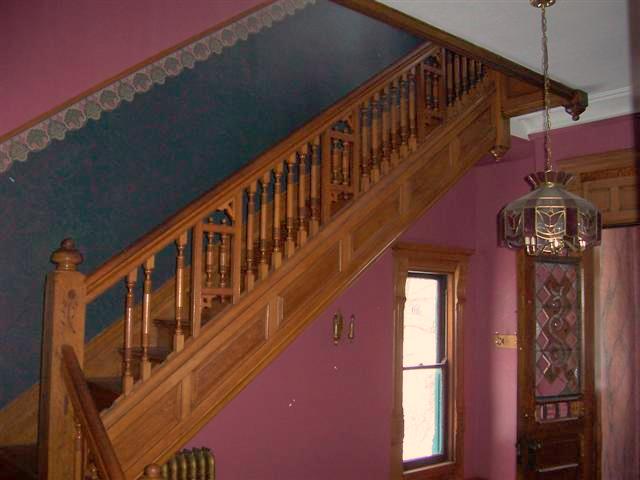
549, 220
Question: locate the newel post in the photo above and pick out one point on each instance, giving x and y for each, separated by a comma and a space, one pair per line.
63, 324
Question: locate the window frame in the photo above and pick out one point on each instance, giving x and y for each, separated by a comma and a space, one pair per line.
451, 263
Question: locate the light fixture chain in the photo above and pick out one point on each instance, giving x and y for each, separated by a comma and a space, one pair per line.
547, 103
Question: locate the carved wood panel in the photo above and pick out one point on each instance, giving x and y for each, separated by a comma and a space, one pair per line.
610, 181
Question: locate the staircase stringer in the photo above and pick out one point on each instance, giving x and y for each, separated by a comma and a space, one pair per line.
193, 385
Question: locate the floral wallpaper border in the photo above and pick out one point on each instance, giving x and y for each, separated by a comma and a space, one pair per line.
75, 116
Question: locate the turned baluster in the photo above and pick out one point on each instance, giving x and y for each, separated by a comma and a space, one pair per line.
429, 99
336, 160
276, 254
263, 266
365, 150
465, 75
386, 130
178, 335
208, 257
375, 139
472, 73
413, 133
314, 225
250, 277
439, 95
224, 267
127, 370
479, 72
302, 195
290, 242
457, 76
449, 79
346, 167
394, 105
145, 363
404, 116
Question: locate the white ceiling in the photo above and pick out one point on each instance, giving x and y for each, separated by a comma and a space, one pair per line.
589, 43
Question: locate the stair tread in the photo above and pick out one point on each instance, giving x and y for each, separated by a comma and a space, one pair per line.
18, 462
156, 354
171, 323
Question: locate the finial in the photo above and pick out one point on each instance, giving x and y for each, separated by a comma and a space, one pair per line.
152, 471
67, 257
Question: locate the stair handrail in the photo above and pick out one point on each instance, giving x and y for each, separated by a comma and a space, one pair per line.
88, 419
118, 266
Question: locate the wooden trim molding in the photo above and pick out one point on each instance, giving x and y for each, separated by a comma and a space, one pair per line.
610, 181
452, 262
73, 114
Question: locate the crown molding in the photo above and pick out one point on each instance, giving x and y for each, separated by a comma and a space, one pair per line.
602, 105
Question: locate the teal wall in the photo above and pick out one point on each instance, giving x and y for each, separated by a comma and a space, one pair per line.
108, 183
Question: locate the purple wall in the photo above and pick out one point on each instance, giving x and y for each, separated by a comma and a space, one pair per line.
46, 58
320, 411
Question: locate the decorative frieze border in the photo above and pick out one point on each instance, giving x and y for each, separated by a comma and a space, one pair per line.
73, 117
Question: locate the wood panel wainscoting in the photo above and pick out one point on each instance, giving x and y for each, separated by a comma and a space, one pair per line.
322, 204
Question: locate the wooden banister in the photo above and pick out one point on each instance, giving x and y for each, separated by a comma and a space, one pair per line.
94, 434
396, 142
114, 269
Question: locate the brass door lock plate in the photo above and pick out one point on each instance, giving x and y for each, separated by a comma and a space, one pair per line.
505, 340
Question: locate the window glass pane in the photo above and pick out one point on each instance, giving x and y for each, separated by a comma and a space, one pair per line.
420, 321
558, 329
422, 403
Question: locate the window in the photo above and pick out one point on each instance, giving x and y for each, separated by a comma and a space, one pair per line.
424, 364
429, 289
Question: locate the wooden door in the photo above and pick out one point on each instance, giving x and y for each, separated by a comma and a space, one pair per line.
555, 368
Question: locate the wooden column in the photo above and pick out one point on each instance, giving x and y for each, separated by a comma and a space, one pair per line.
178, 335
263, 266
63, 324
365, 148
196, 278
290, 241
404, 116
314, 224
127, 355
386, 130
413, 133
145, 363
420, 102
276, 255
394, 107
502, 123
375, 139
251, 221
302, 195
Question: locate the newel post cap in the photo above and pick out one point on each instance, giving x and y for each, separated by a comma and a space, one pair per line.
67, 257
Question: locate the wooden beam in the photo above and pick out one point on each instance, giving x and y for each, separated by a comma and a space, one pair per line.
574, 100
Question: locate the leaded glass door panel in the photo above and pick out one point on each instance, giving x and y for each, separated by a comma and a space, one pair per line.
555, 368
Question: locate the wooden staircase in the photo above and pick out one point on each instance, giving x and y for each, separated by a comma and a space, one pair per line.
270, 248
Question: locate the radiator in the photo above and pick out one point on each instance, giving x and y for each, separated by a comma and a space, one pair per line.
194, 464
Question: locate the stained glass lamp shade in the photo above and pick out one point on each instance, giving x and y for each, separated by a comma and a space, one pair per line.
549, 220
